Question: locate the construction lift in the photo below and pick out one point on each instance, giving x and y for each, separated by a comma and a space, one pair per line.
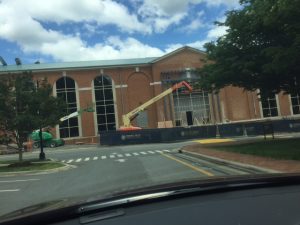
127, 118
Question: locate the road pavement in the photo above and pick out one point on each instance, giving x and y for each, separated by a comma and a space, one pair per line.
103, 171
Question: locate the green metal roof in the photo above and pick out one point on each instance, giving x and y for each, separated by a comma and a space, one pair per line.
76, 65
90, 64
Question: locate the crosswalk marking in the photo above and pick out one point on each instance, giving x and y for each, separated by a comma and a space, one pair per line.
115, 155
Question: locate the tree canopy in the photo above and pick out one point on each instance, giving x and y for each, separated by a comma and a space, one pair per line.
26, 105
261, 49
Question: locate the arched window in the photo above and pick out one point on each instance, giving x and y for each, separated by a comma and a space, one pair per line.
65, 89
105, 108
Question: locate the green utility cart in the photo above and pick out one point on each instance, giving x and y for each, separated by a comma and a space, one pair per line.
48, 140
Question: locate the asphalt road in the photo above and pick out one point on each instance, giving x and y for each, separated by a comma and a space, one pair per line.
101, 171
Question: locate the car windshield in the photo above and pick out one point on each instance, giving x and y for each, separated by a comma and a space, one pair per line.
104, 97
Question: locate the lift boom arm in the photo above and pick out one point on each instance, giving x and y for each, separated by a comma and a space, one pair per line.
127, 118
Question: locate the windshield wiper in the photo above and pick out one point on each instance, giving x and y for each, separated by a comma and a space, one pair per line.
123, 201
197, 187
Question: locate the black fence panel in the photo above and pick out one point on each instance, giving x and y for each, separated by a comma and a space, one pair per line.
230, 130
155, 135
294, 126
253, 128
281, 126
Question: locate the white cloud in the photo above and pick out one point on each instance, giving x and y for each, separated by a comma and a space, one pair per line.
196, 44
32, 37
73, 48
160, 14
222, 2
21, 22
195, 24
102, 12
216, 32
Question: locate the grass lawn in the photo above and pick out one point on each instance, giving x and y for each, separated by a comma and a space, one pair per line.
277, 149
28, 165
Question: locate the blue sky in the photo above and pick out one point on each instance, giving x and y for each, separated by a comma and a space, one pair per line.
75, 30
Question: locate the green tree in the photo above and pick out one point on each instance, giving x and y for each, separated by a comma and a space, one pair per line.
261, 49
26, 105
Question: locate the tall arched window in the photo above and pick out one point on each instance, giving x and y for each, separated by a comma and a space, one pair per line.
105, 108
65, 89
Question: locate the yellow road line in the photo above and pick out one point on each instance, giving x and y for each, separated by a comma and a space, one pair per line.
189, 165
212, 141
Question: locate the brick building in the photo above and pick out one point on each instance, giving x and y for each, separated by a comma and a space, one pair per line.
118, 86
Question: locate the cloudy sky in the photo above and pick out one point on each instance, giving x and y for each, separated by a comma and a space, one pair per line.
74, 30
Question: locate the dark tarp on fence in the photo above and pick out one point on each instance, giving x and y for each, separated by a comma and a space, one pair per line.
251, 128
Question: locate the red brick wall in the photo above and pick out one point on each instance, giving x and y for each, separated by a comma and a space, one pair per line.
284, 104
180, 61
235, 103
139, 92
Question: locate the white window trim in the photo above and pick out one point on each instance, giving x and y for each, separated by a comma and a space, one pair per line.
95, 112
78, 108
155, 83
277, 104
56, 126
115, 103
114, 100
291, 105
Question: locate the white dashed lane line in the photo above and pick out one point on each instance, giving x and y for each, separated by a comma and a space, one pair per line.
10, 190
115, 155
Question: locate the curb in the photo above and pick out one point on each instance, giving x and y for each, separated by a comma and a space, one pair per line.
229, 162
38, 172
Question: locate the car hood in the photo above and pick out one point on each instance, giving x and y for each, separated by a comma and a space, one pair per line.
78, 205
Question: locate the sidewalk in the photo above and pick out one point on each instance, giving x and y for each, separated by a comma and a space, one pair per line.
286, 166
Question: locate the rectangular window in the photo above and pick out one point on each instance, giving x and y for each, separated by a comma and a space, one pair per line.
269, 104
65, 89
295, 100
196, 103
103, 91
